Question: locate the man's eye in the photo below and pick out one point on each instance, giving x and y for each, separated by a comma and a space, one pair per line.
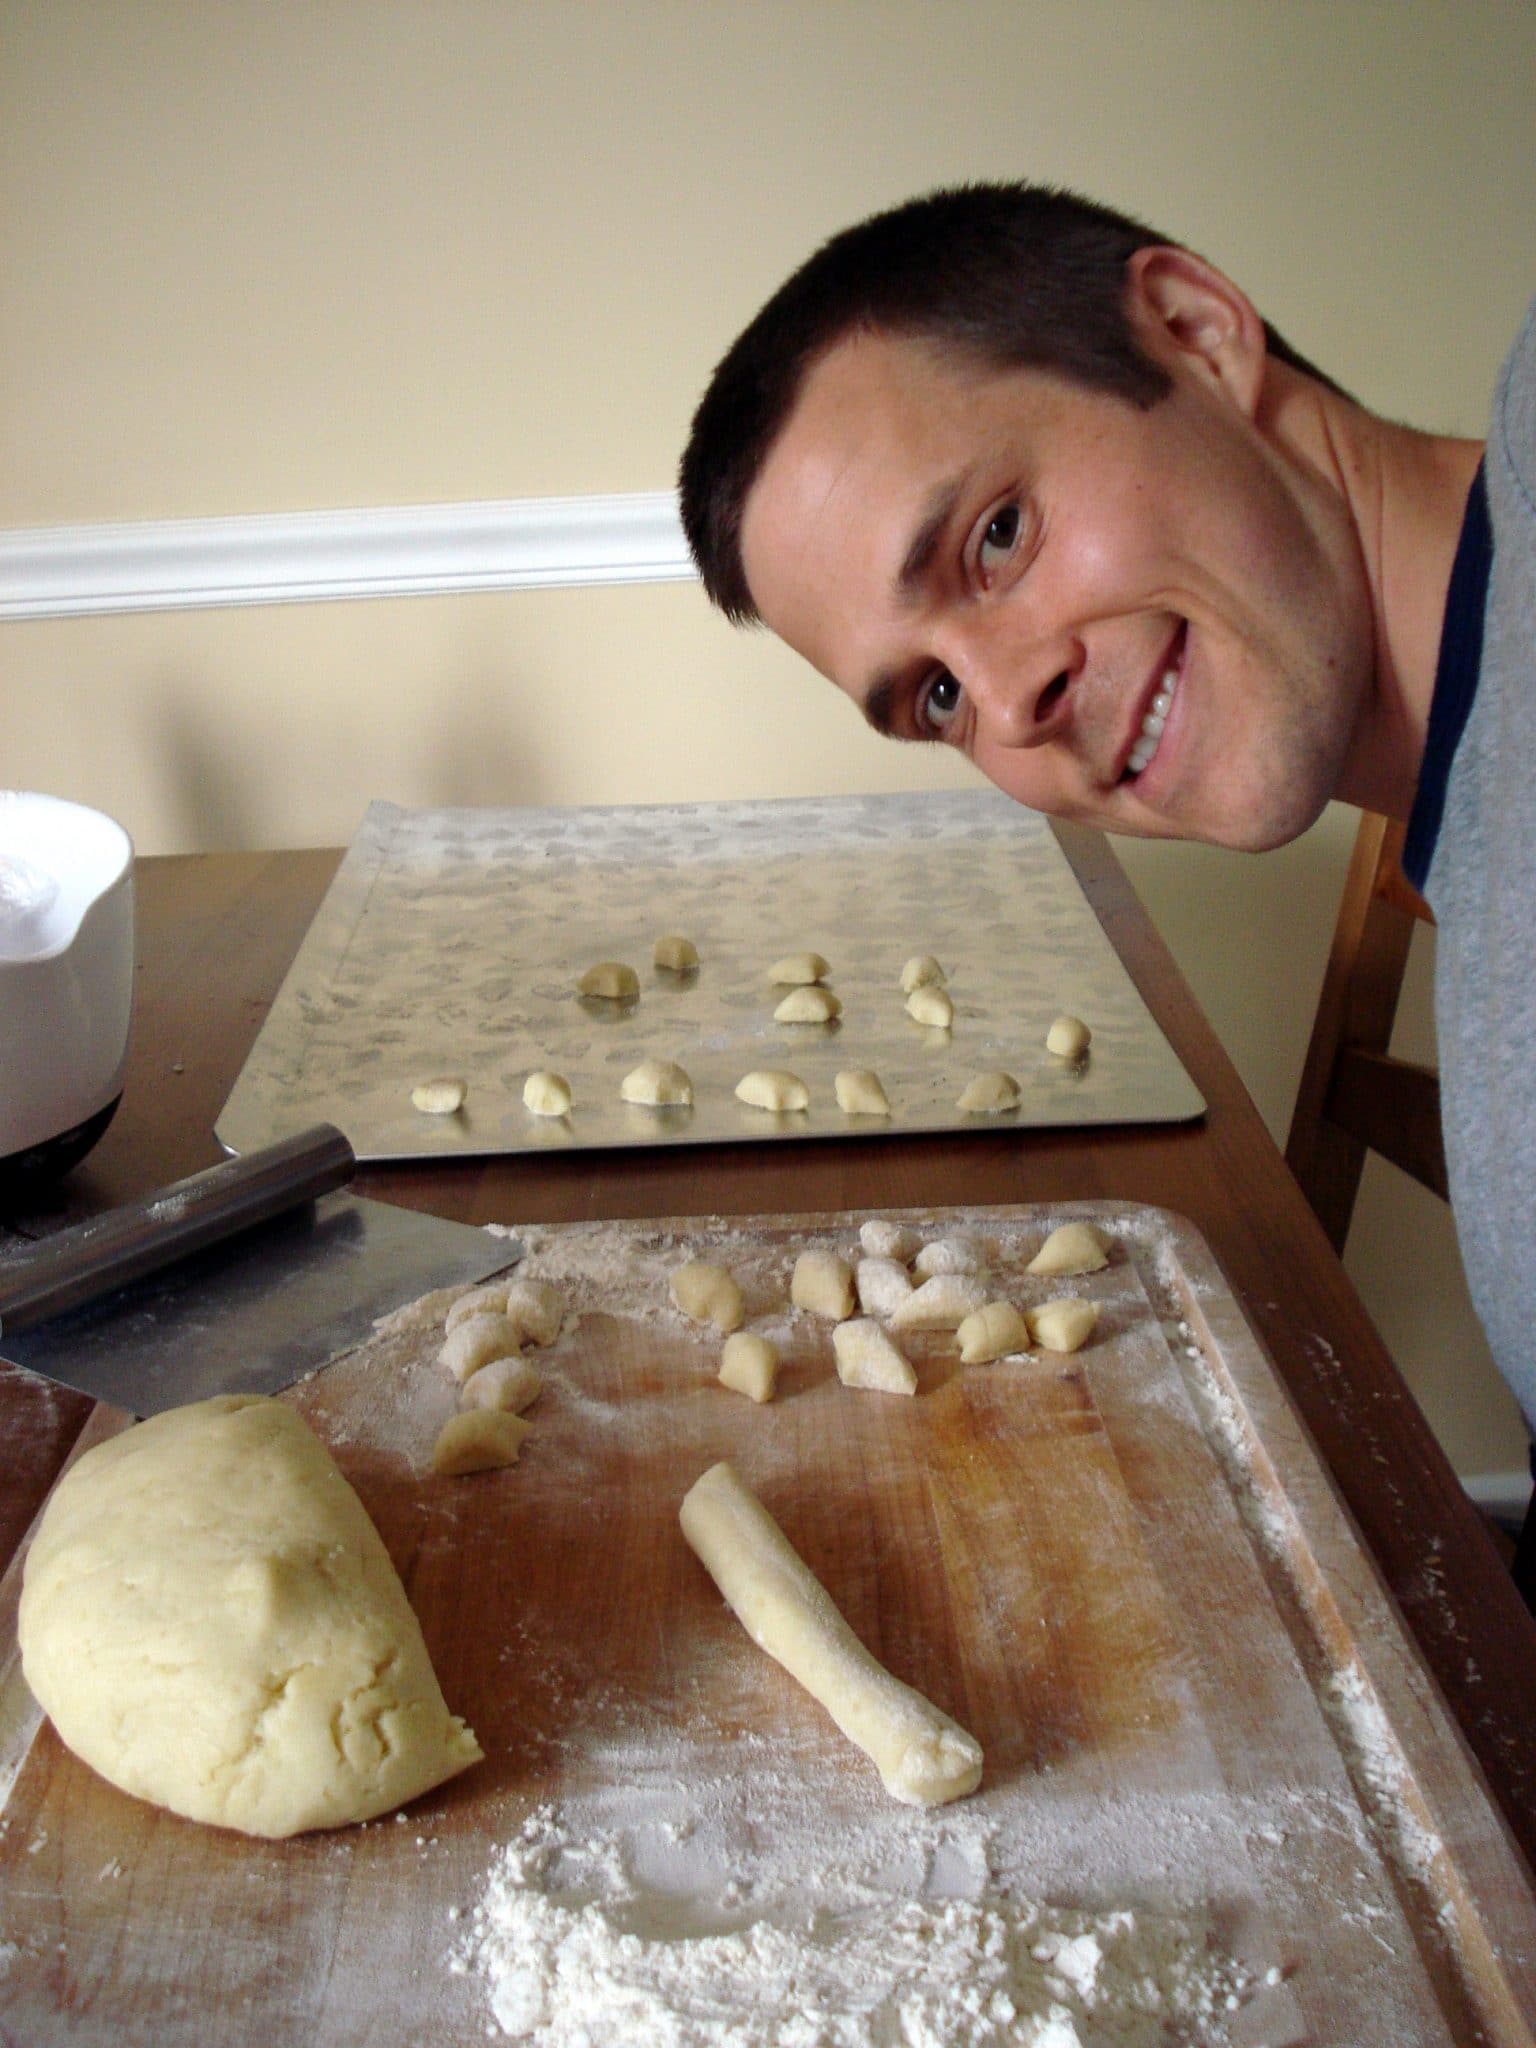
940, 701
999, 540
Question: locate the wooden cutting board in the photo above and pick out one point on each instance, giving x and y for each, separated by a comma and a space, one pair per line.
1124, 1571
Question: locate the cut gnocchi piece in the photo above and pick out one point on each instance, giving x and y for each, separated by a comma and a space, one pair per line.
546, 1094
657, 1084
489, 1300
611, 981
922, 971
949, 1255
1073, 1248
535, 1310
994, 1331
885, 1240
867, 1358
882, 1285
773, 1088
861, 1092
478, 1440
823, 1283
810, 1004
1063, 1325
708, 1294
930, 1005
941, 1303
674, 954
989, 1095
475, 1342
438, 1098
749, 1365
1068, 1038
510, 1383
796, 970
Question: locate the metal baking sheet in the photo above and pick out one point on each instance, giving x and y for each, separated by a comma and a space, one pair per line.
451, 942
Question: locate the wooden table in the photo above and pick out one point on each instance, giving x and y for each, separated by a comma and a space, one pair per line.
216, 933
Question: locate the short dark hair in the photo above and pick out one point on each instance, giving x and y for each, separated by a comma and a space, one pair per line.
1015, 276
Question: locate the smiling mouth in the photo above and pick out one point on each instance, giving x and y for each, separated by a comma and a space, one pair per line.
1149, 738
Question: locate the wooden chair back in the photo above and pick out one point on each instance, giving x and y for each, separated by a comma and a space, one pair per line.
1354, 1096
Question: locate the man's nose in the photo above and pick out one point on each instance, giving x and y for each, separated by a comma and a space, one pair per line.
1020, 688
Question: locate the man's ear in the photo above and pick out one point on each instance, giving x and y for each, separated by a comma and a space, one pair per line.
1187, 314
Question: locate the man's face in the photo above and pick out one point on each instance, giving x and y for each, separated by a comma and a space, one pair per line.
1153, 620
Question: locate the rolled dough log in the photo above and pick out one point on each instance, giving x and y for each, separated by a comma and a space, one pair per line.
212, 1622
923, 1757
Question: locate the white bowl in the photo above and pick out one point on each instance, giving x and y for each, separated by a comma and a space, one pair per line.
66, 978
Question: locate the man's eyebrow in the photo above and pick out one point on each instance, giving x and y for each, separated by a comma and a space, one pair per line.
925, 542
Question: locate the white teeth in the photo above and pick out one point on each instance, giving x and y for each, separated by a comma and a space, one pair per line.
1152, 725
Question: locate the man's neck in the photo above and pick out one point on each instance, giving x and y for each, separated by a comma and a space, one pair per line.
1406, 493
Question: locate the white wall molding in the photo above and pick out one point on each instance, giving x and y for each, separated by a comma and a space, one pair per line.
307, 557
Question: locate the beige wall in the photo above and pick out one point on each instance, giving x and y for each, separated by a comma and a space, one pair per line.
261, 257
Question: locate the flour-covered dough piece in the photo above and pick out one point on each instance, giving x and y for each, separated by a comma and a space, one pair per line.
477, 1340
929, 1004
611, 981
657, 1084
438, 1098
796, 969
941, 1303
478, 1440
989, 1095
773, 1088
822, 1283
535, 1310
885, 1240
882, 1285
995, 1331
861, 1092
922, 971
867, 1358
490, 1299
923, 1757
211, 1622
1068, 1038
510, 1383
546, 1093
709, 1294
749, 1365
811, 1004
949, 1255
1073, 1248
675, 955
1063, 1325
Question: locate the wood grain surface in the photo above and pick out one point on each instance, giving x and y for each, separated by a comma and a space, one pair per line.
1125, 1571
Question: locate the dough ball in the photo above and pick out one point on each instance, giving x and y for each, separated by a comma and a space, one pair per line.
1074, 1248
657, 1084
860, 1092
478, 1440
949, 1255
488, 1300
709, 1294
510, 1383
611, 981
812, 1004
1063, 1325
535, 1310
922, 971
211, 1622
771, 1088
675, 955
798, 968
930, 1005
867, 1358
438, 1098
882, 1285
989, 1095
885, 1240
547, 1094
941, 1303
475, 1342
996, 1331
822, 1283
1068, 1038
749, 1365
